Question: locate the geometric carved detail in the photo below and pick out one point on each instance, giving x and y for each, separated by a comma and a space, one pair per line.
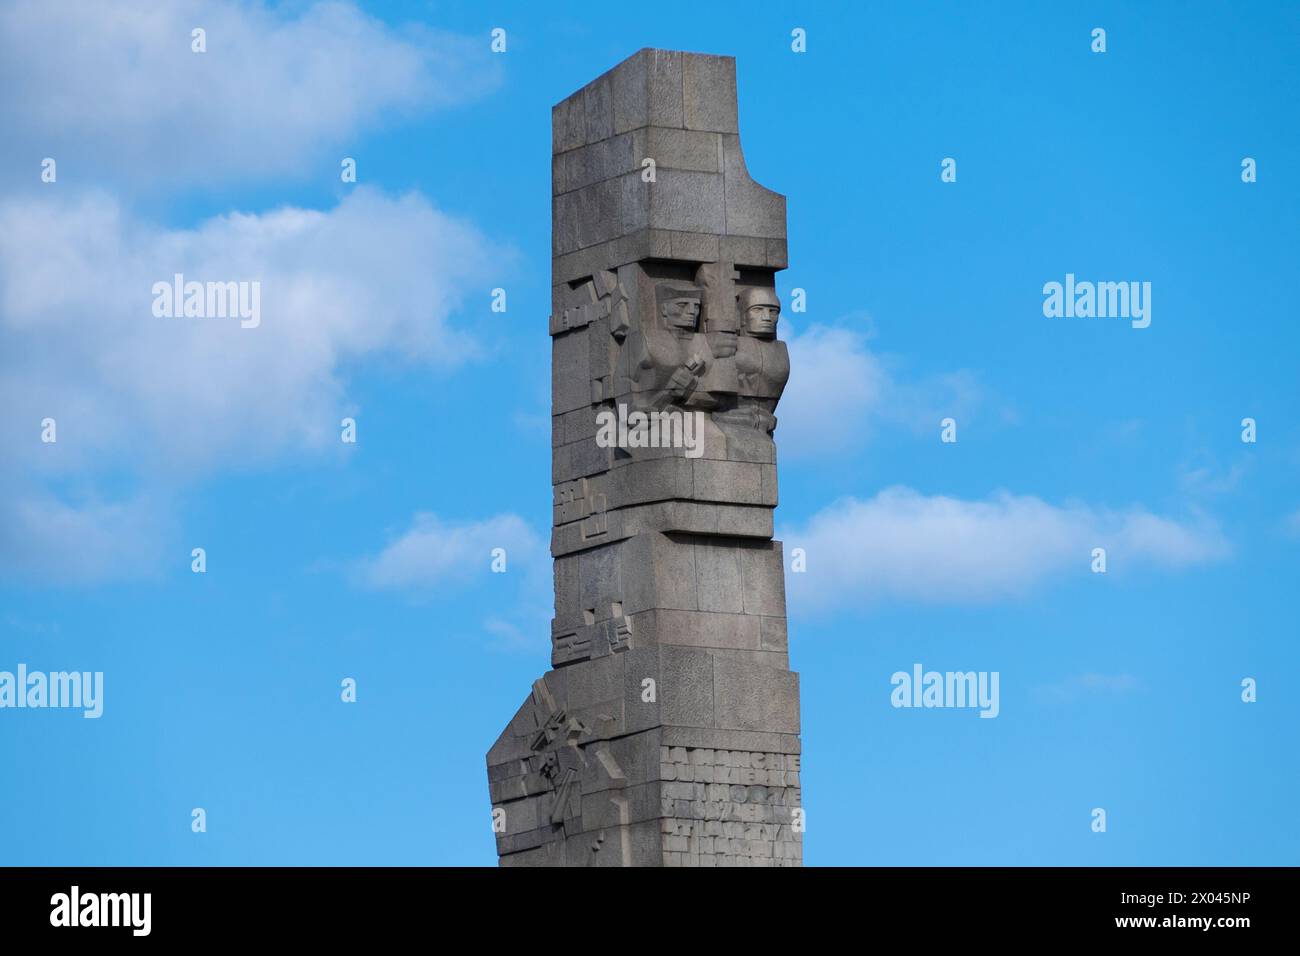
576, 500
596, 638
598, 298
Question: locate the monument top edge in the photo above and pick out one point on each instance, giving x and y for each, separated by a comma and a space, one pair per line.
645, 56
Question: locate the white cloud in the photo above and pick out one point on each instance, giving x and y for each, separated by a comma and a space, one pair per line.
1206, 481
111, 87
434, 553
163, 399
113, 92
434, 560
839, 390
905, 545
58, 543
79, 341
835, 387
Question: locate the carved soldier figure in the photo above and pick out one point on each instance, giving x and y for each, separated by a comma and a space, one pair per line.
673, 355
760, 309
679, 306
762, 360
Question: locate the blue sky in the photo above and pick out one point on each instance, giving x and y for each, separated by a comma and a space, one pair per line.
371, 561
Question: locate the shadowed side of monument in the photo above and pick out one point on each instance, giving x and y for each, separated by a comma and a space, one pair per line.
667, 731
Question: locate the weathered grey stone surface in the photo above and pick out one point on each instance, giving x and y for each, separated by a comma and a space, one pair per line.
667, 732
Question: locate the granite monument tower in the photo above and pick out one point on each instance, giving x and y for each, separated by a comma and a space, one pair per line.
667, 730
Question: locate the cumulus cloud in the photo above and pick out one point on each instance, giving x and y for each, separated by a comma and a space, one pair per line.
112, 88
92, 541
79, 341
817, 418
432, 553
814, 415
169, 398
905, 545
435, 559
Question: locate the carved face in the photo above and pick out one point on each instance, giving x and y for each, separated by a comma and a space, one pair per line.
761, 309
760, 320
682, 313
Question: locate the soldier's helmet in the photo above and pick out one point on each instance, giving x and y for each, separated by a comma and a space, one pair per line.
758, 295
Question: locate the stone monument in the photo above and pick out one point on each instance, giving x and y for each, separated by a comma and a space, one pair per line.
667, 731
